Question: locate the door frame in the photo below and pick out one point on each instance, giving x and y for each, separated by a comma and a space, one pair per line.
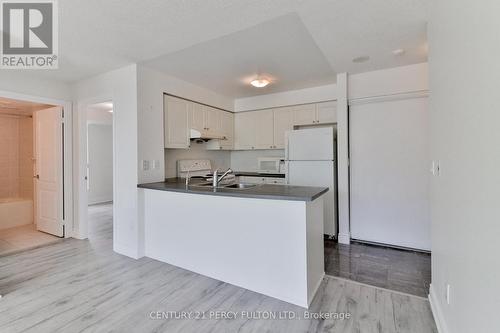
68, 217
80, 162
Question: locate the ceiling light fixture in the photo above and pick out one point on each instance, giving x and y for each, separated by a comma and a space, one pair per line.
361, 59
260, 82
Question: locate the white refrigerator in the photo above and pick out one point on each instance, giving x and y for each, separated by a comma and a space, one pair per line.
310, 160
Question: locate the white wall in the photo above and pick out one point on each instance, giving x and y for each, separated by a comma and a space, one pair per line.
392, 81
120, 86
292, 97
151, 87
100, 161
24, 82
464, 44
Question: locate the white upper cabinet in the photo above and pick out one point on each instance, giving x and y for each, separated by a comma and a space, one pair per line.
283, 122
312, 114
244, 130
212, 119
176, 115
204, 118
197, 117
304, 114
225, 128
326, 113
264, 129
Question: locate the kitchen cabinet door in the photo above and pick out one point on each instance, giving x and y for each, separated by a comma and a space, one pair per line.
244, 130
276, 181
283, 122
197, 117
304, 114
227, 129
176, 122
212, 119
264, 129
326, 113
252, 180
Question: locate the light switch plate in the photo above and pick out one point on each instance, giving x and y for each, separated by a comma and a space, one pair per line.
145, 165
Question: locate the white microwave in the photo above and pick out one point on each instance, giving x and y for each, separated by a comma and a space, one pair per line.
271, 164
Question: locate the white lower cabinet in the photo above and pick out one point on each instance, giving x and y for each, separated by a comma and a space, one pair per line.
261, 180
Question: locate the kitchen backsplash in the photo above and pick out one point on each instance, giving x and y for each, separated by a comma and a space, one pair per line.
220, 159
238, 160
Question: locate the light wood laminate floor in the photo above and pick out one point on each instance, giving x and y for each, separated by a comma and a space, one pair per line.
17, 239
83, 286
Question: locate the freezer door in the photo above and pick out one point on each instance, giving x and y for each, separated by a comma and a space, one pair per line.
319, 174
310, 145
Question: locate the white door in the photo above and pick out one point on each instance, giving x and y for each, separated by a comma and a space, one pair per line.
318, 174
49, 171
311, 144
389, 173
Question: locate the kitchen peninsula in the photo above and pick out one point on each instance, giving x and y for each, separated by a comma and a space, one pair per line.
265, 238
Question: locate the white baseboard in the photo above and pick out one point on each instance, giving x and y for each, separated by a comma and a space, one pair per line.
126, 251
437, 312
344, 238
316, 288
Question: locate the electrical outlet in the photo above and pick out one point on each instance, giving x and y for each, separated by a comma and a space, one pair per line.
145, 165
447, 295
435, 168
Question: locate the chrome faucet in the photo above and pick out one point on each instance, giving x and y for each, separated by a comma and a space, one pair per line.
216, 179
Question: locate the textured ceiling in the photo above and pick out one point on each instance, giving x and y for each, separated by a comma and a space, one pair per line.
97, 36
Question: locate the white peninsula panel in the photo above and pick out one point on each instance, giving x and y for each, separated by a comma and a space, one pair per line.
274, 247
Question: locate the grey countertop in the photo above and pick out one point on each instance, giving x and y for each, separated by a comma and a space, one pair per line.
262, 191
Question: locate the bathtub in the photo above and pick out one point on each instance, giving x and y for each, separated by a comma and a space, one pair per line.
15, 212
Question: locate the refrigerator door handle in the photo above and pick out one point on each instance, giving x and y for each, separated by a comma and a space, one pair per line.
287, 172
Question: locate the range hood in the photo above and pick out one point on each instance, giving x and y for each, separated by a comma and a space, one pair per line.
197, 135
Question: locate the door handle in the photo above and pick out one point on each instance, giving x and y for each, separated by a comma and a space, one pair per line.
36, 177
